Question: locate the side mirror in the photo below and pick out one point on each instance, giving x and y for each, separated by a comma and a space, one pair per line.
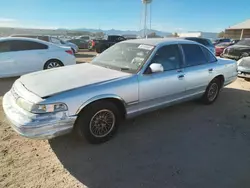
156, 67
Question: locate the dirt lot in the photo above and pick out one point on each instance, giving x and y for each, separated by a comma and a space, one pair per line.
188, 145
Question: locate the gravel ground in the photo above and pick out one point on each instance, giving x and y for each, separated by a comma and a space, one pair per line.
188, 145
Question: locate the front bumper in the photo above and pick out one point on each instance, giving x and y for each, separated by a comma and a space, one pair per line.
39, 126
230, 56
243, 75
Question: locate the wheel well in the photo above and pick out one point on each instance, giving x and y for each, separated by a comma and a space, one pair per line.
52, 60
119, 104
221, 78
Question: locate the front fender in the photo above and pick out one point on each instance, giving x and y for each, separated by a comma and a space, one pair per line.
99, 97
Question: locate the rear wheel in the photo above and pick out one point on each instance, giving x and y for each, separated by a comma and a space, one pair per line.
98, 122
53, 63
212, 91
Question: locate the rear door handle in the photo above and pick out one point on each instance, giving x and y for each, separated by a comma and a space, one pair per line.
210, 70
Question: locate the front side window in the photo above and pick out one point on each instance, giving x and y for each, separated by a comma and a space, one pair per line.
169, 57
127, 57
193, 55
4, 46
20, 45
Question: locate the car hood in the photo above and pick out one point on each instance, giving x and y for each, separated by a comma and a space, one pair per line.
53, 81
239, 47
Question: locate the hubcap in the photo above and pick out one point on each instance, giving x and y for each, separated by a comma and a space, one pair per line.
53, 65
102, 123
213, 91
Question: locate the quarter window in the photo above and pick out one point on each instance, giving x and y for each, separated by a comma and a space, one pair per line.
169, 57
193, 55
210, 57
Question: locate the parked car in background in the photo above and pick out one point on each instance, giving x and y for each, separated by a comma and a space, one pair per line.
220, 40
204, 41
244, 68
130, 78
51, 39
101, 45
19, 56
82, 44
73, 46
239, 50
219, 48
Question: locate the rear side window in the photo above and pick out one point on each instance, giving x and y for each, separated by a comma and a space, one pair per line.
210, 57
4, 46
193, 55
19, 45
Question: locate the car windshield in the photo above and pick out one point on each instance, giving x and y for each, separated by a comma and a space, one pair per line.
223, 44
127, 57
244, 42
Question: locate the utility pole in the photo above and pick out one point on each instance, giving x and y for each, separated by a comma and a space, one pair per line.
146, 3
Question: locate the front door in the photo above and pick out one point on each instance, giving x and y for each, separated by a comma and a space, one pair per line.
157, 89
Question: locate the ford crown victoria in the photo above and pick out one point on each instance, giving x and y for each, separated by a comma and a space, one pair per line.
130, 78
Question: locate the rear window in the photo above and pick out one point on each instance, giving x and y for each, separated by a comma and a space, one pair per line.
200, 40
44, 38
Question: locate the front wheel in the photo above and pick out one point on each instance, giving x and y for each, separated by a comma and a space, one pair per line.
212, 91
98, 122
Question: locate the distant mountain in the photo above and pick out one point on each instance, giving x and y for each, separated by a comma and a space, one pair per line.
120, 32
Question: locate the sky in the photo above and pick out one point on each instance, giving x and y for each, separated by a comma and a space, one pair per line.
167, 15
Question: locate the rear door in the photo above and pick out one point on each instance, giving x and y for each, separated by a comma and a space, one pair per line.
199, 64
29, 56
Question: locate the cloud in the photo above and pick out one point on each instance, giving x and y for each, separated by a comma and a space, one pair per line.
7, 20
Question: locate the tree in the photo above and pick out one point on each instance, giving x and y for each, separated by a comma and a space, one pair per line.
99, 34
152, 35
221, 34
176, 34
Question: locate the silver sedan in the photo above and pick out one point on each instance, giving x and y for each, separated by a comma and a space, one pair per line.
128, 79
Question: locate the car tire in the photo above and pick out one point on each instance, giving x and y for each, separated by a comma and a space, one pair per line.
212, 91
92, 124
53, 63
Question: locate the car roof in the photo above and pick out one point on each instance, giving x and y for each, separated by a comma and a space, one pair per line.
159, 41
24, 39
195, 38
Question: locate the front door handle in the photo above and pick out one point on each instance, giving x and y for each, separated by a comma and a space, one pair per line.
210, 70
181, 76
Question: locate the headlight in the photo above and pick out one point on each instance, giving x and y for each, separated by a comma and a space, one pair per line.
41, 108
239, 61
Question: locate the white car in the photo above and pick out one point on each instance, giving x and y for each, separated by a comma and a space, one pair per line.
19, 56
51, 39
73, 46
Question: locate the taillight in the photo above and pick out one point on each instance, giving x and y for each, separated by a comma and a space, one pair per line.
69, 52
93, 43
